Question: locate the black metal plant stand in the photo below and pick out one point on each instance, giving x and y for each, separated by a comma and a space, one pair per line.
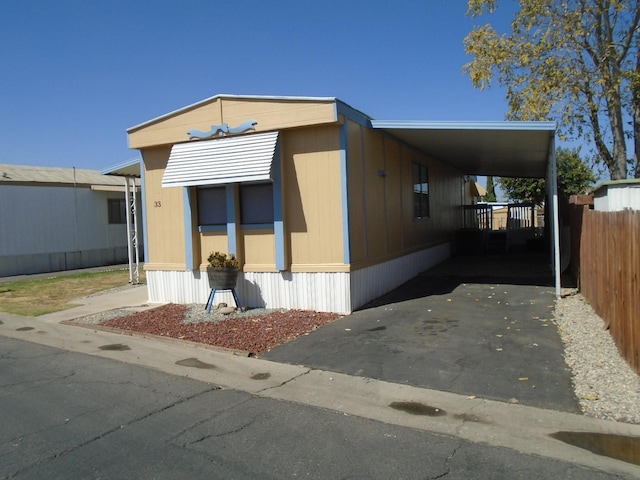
213, 294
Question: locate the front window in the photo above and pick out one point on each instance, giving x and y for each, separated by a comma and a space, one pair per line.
256, 203
212, 206
117, 210
420, 191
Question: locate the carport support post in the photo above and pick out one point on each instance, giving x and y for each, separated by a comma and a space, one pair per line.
132, 236
127, 196
552, 192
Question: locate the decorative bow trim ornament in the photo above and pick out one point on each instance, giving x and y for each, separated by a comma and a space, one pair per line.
222, 129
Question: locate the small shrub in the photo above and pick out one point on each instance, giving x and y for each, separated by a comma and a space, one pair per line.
222, 260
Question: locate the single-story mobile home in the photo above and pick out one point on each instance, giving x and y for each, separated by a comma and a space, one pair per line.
617, 195
325, 207
57, 219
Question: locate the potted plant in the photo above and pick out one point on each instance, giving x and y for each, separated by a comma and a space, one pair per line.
222, 270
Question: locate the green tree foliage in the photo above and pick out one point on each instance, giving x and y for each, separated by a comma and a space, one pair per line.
573, 61
574, 177
491, 190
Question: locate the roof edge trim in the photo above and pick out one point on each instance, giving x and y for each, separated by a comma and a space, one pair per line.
113, 169
464, 125
613, 183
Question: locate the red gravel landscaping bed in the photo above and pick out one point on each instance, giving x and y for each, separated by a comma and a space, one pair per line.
254, 334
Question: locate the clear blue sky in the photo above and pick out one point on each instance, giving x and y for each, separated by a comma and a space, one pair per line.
77, 74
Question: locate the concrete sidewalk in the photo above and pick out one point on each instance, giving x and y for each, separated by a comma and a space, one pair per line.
525, 429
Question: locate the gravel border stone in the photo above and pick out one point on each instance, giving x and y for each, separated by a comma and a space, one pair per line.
605, 384
196, 312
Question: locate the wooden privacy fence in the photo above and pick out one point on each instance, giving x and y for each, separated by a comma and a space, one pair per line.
609, 275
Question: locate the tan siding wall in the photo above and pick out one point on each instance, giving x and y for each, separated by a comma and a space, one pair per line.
277, 114
259, 250
211, 242
165, 213
357, 205
445, 197
374, 193
312, 196
174, 129
393, 196
270, 115
386, 202
380, 206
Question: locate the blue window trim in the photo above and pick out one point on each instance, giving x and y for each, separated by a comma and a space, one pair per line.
243, 226
188, 229
231, 226
278, 210
145, 228
257, 226
212, 228
232, 238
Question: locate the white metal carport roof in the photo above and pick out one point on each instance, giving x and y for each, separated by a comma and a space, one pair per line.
505, 149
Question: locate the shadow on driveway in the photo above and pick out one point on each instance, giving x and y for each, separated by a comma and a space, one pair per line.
479, 326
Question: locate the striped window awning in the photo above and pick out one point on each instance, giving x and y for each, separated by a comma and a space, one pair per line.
245, 158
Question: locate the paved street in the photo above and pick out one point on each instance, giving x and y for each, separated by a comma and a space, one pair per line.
71, 415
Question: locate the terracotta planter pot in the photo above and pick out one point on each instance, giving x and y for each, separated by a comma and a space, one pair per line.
222, 278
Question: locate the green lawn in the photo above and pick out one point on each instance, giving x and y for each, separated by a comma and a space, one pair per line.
31, 298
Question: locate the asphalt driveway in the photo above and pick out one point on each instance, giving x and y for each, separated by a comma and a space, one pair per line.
478, 326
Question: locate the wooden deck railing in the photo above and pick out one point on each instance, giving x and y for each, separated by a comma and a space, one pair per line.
483, 216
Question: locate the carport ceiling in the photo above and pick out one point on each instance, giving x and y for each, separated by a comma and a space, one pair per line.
504, 149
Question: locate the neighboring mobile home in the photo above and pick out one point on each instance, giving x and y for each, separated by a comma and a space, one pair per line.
57, 219
617, 195
324, 209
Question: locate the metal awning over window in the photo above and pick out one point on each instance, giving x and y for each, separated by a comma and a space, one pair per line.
245, 158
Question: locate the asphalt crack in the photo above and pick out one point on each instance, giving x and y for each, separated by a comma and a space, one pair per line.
135, 420
222, 434
110, 431
447, 466
467, 417
33, 383
306, 372
207, 419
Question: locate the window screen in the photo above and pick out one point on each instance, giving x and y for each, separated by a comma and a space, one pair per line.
256, 203
117, 210
420, 191
212, 206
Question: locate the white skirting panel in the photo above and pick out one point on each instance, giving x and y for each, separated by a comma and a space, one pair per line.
339, 292
321, 292
180, 287
371, 282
